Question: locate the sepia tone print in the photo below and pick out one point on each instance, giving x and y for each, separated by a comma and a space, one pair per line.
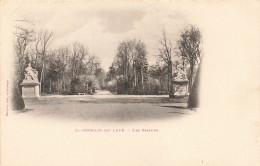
129, 83
57, 66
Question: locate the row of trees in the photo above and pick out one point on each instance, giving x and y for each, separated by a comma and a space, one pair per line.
187, 53
130, 73
72, 69
69, 69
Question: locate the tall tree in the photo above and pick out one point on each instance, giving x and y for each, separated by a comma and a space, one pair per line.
141, 63
92, 64
131, 66
159, 71
64, 53
165, 55
193, 101
78, 55
23, 37
189, 49
43, 39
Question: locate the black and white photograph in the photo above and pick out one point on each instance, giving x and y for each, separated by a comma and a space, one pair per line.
153, 83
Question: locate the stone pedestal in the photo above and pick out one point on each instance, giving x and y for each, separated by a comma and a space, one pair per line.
180, 88
30, 92
30, 86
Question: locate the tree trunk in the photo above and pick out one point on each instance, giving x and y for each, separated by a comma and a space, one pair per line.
191, 76
41, 77
168, 81
160, 85
142, 78
58, 86
170, 77
62, 85
135, 75
50, 85
193, 101
116, 86
166, 85
17, 100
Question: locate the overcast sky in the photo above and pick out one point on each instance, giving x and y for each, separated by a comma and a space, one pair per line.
102, 26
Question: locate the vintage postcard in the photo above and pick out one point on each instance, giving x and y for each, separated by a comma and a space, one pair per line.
127, 83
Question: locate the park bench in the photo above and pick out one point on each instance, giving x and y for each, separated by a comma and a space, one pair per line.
81, 93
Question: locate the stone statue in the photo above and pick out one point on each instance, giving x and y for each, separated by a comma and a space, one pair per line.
180, 75
31, 75
180, 85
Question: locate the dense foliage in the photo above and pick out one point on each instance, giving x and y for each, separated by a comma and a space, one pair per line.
71, 69
66, 70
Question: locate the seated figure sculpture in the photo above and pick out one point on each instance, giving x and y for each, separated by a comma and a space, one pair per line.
30, 86
180, 75
180, 85
30, 74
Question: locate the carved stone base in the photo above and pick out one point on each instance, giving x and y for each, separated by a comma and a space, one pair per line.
180, 94
30, 92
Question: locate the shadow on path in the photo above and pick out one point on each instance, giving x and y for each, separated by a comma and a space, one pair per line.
178, 107
117, 108
107, 112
